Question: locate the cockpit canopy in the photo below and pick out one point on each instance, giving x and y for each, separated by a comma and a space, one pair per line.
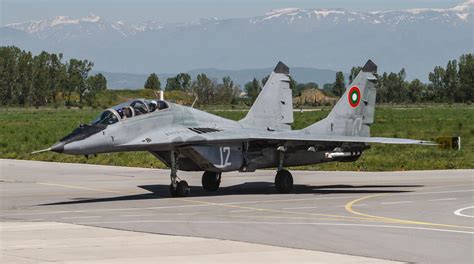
129, 109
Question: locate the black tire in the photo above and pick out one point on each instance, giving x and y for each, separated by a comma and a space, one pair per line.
283, 181
173, 191
211, 181
182, 190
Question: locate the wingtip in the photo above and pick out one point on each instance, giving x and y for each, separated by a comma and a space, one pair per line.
370, 66
281, 68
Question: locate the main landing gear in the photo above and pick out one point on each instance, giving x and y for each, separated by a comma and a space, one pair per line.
211, 181
177, 188
283, 178
283, 181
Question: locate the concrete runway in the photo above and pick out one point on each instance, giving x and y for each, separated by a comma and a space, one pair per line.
421, 216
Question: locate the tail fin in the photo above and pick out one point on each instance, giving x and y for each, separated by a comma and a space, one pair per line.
273, 108
354, 112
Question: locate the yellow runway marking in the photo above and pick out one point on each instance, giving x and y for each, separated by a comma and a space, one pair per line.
276, 211
349, 208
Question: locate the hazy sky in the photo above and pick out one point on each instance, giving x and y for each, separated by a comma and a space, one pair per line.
186, 10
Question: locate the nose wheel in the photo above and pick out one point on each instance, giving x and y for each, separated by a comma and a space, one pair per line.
177, 188
181, 189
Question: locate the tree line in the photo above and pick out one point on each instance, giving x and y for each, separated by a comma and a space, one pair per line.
453, 84
206, 90
45, 79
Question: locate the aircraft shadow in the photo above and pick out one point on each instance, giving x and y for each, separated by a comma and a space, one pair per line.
160, 191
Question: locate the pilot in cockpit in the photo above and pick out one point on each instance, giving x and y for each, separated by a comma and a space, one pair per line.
152, 106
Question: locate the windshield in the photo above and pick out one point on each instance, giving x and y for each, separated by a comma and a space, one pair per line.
106, 118
140, 107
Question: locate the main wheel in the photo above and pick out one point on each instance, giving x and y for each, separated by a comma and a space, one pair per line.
211, 181
283, 181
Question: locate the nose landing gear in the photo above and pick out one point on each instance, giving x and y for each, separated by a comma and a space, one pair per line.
177, 188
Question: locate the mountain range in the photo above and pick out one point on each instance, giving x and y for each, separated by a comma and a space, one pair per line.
336, 39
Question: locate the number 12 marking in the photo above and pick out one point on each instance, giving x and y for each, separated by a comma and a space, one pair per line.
224, 151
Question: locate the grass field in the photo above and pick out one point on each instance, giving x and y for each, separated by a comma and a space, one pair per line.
25, 130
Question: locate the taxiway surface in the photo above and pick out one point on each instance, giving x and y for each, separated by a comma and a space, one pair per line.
420, 216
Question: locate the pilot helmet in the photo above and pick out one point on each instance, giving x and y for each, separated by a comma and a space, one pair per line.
152, 105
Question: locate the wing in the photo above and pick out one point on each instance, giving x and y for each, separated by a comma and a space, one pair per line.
243, 135
302, 137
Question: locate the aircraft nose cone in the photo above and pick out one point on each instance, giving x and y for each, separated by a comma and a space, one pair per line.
58, 147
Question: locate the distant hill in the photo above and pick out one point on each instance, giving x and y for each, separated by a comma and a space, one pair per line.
338, 39
240, 77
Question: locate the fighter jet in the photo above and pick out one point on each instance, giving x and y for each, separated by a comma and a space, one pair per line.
189, 139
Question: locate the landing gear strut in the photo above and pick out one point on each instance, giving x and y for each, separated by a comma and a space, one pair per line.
283, 178
211, 181
177, 188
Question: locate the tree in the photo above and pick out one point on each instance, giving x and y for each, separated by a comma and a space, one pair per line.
226, 92
416, 91
354, 72
181, 82
57, 75
24, 79
95, 84
152, 82
466, 77
265, 80
437, 78
451, 82
339, 84
204, 88
41, 80
8, 73
293, 83
78, 70
252, 89
401, 92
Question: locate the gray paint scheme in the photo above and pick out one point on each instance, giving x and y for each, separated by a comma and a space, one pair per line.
206, 142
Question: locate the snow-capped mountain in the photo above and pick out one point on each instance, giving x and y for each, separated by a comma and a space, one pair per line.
417, 39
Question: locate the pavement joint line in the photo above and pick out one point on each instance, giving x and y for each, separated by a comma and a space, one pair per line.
442, 199
243, 210
107, 210
81, 217
400, 202
81, 187
290, 217
277, 223
298, 208
350, 204
136, 215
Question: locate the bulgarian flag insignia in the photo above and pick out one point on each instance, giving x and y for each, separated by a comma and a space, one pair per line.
354, 96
